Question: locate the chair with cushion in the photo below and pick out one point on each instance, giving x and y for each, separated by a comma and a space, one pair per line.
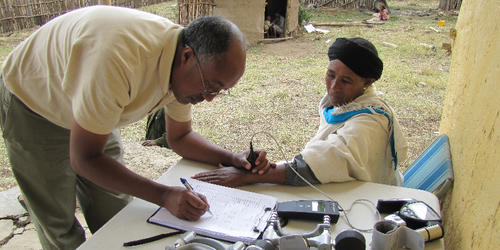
433, 170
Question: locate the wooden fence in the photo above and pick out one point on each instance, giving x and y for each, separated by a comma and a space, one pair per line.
373, 4
21, 14
450, 4
348, 4
191, 9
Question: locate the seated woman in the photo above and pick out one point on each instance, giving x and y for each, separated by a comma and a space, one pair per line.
359, 137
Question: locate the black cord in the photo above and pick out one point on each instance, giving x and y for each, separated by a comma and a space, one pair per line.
252, 156
151, 239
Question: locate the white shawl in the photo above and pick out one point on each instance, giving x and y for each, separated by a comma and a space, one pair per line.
358, 148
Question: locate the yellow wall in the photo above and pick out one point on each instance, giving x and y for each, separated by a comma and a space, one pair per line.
471, 118
247, 15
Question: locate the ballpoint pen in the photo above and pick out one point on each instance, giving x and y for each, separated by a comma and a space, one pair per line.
190, 188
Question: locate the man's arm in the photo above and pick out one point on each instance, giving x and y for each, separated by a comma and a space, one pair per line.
89, 161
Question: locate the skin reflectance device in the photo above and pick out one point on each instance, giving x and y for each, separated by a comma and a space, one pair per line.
308, 210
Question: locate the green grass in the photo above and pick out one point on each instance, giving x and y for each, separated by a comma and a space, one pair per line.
9, 41
284, 82
168, 10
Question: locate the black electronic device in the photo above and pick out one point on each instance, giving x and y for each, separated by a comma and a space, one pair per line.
252, 156
416, 214
308, 209
391, 205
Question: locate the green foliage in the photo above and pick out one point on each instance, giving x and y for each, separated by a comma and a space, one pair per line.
305, 15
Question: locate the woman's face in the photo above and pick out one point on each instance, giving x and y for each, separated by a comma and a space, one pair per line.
342, 84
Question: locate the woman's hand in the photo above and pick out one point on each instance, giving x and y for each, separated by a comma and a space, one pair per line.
225, 176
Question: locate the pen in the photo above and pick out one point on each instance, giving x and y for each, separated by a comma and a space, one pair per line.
151, 239
190, 188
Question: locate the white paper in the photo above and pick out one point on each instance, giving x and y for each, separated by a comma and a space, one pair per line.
310, 28
235, 213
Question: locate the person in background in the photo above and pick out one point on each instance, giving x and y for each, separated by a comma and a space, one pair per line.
67, 89
268, 28
359, 137
156, 134
278, 25
383, 13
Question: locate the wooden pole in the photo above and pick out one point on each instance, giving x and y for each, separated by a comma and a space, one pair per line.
104, 2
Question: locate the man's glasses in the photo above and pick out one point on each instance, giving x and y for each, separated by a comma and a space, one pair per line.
206, 91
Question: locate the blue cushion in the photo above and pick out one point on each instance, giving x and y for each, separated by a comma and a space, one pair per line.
433, 168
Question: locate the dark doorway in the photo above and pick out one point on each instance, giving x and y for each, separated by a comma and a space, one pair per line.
275, 13
273, 6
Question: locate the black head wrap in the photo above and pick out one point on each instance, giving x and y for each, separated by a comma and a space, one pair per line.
359, 55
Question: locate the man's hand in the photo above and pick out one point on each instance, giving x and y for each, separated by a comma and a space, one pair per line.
148, 143
185, 204
225, 176
262, 164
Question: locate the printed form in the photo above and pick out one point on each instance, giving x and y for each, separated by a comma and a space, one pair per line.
235, 213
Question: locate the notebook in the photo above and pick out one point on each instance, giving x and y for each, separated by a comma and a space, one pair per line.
236, 213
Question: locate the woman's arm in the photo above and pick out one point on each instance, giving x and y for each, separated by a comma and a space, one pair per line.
282, 174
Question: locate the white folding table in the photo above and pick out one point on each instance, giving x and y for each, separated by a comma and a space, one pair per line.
130, 223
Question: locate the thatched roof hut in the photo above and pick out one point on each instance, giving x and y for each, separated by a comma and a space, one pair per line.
248, 15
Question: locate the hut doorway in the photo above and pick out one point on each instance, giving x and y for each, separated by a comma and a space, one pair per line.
248, 15
275, 19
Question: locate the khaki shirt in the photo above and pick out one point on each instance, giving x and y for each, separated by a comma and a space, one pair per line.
104, 66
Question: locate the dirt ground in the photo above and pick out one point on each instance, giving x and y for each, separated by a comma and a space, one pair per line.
149, 162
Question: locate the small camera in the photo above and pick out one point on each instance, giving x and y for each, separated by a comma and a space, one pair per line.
413, 214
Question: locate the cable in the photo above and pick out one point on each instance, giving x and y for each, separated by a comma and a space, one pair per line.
348, 210
287, 164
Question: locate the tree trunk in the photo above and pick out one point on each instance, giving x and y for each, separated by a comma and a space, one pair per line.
450, 4
105, 2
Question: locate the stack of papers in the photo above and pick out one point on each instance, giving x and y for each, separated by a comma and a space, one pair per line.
236, 213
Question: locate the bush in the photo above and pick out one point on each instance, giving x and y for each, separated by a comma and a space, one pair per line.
305, 15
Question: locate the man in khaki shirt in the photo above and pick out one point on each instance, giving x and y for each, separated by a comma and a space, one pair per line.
66, 90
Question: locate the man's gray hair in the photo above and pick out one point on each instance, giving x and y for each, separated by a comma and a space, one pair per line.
210, 37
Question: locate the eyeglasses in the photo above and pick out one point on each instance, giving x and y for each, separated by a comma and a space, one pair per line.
206, 91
